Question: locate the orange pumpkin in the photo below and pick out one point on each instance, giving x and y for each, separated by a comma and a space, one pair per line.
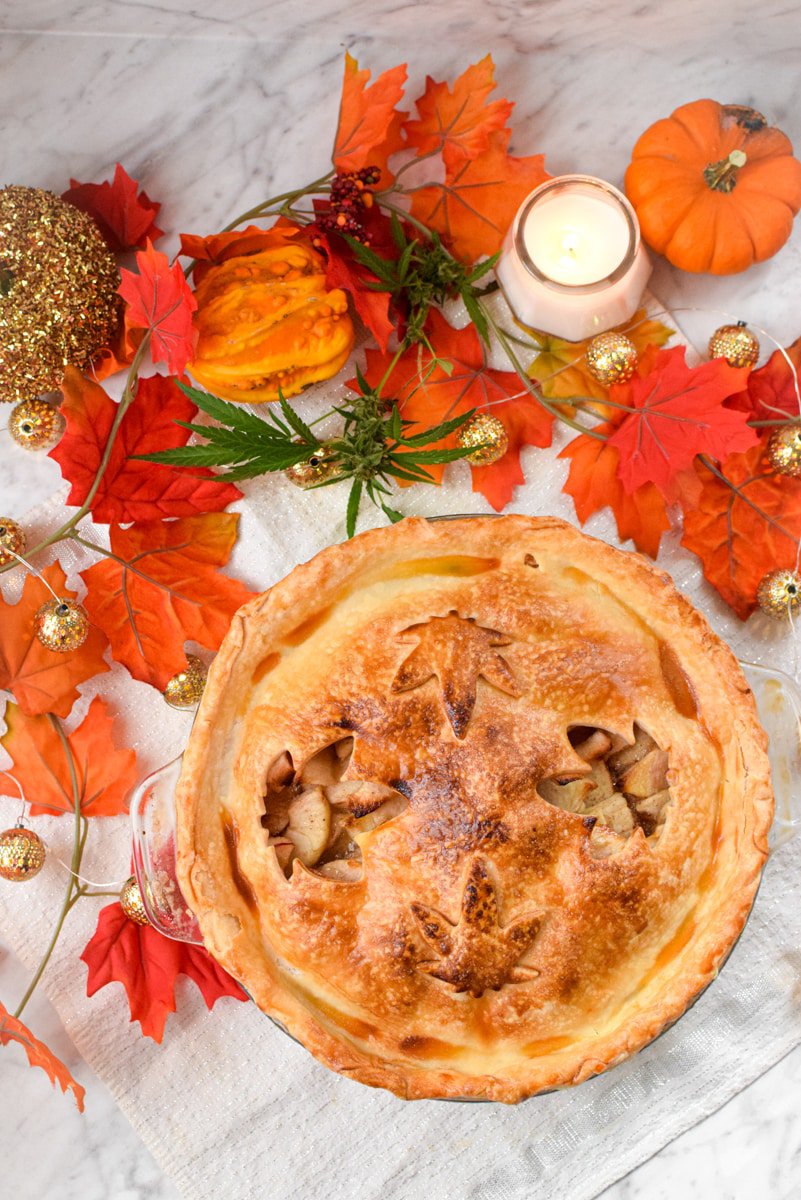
266, 321
715, 187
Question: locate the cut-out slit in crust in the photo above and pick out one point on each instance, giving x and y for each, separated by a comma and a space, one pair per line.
312, 815
624, 789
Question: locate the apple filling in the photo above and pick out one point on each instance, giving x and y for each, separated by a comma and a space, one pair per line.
315, 817
624, 788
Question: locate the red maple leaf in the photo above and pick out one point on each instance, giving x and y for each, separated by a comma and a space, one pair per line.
679, 413
44, 680
344, 270
369, 126
460, 121
125, 216
771, 391
104, 774
427, 394
593, 483
159, 300
148, 964
165, 590
477, 201
131, 490
13, 1031
743, 528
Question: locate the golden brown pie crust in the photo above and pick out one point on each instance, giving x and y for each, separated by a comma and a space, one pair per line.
493, 945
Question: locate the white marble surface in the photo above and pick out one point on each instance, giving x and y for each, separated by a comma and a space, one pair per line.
213, 112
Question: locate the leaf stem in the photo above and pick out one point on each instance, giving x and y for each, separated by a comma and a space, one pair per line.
79, 838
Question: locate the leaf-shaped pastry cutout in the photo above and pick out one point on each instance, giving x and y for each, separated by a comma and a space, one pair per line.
457, 651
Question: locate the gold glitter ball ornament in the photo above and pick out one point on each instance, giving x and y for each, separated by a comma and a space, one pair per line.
12, 537
611, 358
131, 902
36, 425
321, 467
736, 343
58, 291
186, 688
22, 854
784, 449
779, 593
489, 437
61, 625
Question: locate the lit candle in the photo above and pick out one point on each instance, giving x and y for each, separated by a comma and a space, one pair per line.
572, 263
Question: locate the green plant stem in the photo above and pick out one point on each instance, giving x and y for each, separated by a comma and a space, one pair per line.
77, 849
285, 198
404, 215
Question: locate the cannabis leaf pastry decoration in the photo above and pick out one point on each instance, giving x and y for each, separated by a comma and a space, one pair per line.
476, 954
457, 651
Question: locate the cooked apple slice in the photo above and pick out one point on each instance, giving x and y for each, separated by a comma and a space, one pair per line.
602, 783
379, 816
647, 776
322, 768
621, 760
309, 825
276, 816
596, 745
358, 796
346, 870
284, 850
343, 748
571, 796
613, 812
653, 807
280, 773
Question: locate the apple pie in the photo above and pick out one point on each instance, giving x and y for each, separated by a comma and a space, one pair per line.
473, 808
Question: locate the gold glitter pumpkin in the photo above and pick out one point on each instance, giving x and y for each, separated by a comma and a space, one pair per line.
22, 854
185, 689
611, 358
784, 449
737, 344
36, 425
61, 625
58, 291
12, 538
321, 467
779, 593
131, 902
489, 437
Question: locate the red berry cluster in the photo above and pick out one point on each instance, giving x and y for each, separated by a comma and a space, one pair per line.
350, 196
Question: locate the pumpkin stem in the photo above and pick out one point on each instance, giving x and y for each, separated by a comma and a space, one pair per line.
722, 176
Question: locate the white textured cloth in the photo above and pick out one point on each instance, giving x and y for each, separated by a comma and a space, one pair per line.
232, 1108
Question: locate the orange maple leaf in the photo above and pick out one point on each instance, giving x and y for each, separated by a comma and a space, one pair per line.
477, 201
160, 300
369, 127
163, 589
44, 680
744, 528
771, 391
427, 394
12, 1030
458, 122
593, 483
104, 774
560, 367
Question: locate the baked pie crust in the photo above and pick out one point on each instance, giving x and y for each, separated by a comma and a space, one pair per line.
473, 808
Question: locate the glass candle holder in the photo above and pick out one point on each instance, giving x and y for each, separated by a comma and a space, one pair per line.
572, 263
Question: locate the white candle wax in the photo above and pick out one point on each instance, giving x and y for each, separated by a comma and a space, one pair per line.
572, 263
576, 238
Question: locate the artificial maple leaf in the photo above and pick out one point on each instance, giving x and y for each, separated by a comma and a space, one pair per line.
368, 126
44, 680
118, 352
12, 1030
477, 201
459, 121
219, 247
458, 652
125, 216
476, 954
131, 490
594, 484
771, 391
148, 964
744, 528
160, 300
344, 270
427, 394
560, 367
104, 774
679, 413
165, 591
